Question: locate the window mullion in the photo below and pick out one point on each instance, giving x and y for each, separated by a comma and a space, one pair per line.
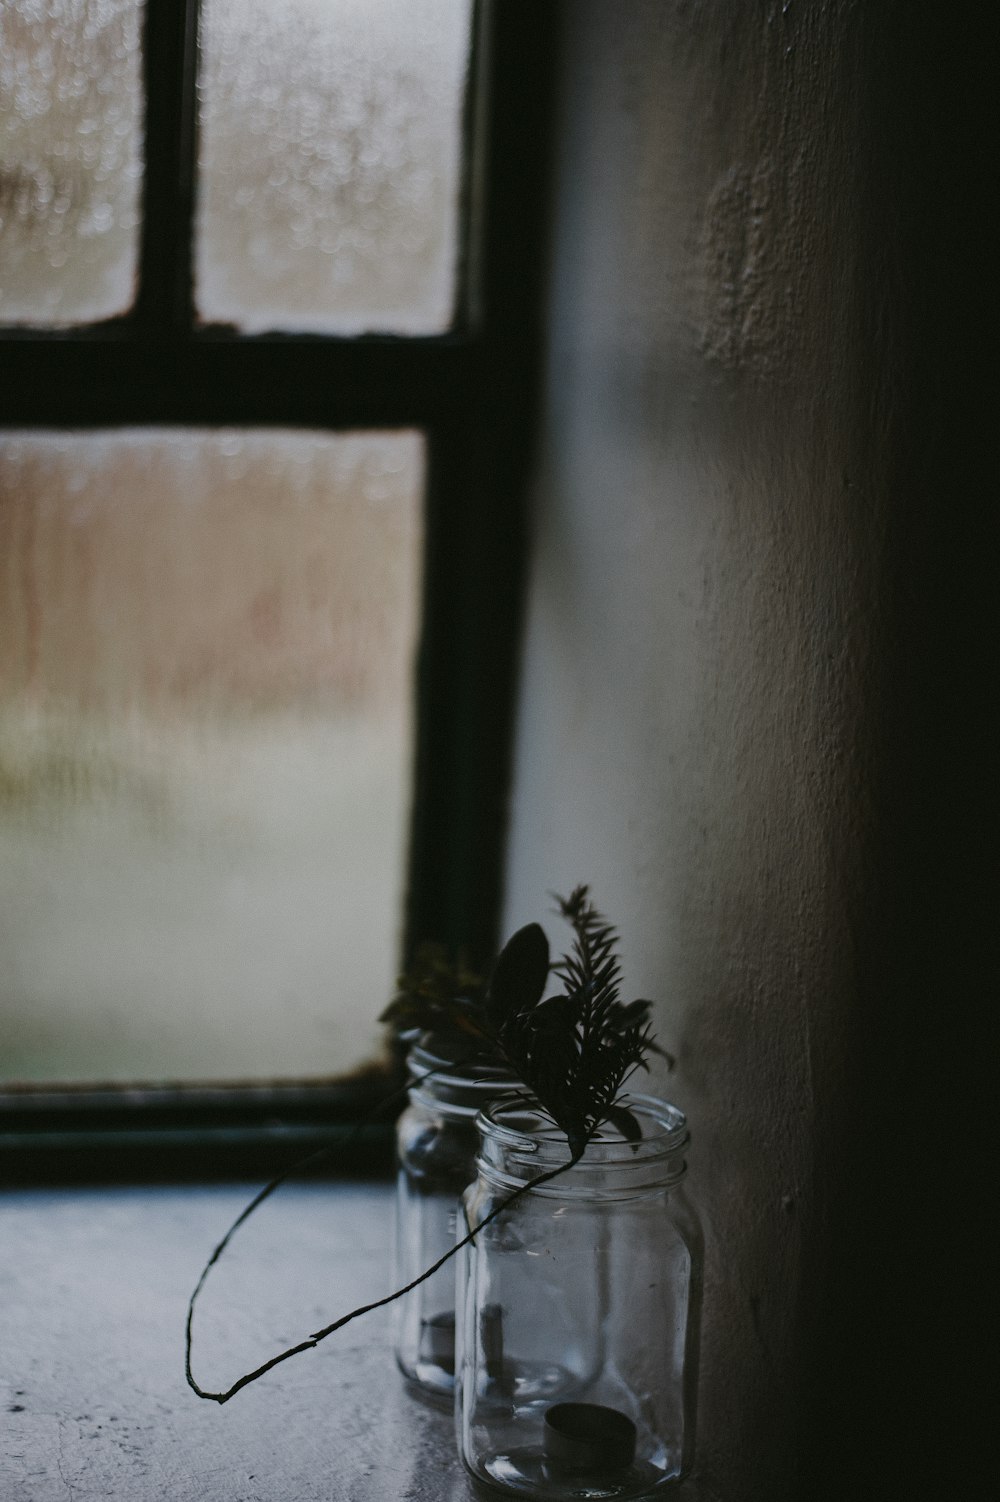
169, 63
480, 465
323, 383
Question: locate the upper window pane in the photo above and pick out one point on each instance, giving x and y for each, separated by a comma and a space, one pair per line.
330, 164
206, 653
70, 172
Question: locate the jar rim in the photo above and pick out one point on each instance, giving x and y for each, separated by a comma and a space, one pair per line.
663, 1125
444, 1074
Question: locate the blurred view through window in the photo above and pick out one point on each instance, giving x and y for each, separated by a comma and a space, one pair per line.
70, 158
206, 655
329, 162
330, 151
208, 634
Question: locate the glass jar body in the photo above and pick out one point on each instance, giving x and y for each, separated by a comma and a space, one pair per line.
578, 1311
436, 1143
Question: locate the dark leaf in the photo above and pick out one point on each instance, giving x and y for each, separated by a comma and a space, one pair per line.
519, 975
622, 1118
635, 1013
558, 1014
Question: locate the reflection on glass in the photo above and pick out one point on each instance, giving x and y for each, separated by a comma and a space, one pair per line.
70, 173
206, 648
330, 146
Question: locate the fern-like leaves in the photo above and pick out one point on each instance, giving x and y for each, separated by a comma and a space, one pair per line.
575, 1051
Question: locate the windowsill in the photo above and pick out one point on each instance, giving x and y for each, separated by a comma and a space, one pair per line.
95, 1288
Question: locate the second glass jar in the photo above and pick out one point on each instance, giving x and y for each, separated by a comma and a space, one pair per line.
436, 1143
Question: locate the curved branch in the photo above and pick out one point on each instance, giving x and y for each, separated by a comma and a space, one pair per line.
313, 1340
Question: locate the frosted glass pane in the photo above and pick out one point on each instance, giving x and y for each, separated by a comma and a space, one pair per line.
330, 163
206, 650
70, 170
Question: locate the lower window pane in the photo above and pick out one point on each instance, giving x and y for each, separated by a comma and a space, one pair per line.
206, 653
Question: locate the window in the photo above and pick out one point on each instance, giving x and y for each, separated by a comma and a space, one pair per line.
267, 279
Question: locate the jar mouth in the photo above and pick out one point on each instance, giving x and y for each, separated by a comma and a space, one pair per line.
519, 1128
458, 1089
423, 1061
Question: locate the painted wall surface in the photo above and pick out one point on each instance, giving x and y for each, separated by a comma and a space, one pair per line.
714, 621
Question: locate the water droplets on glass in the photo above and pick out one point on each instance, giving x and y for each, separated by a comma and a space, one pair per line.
330, 163
70, 159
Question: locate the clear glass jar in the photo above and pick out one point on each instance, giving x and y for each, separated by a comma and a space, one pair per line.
436, 1144
578, 1309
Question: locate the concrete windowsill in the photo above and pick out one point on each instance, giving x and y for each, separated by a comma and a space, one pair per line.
93, 1294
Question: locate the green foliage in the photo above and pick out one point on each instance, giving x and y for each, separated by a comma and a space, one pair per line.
519, 975
573, 1052
440, 997
576, 1050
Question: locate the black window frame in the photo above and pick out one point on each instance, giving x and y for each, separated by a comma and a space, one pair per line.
472, 391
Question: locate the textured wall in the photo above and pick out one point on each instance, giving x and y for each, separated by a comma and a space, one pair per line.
715, 618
